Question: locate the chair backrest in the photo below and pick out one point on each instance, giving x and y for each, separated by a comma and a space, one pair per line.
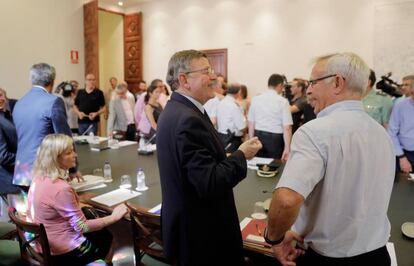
29, 233
146, 229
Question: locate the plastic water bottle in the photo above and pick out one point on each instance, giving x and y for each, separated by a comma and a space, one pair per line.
141, 145
141, 180
107, 172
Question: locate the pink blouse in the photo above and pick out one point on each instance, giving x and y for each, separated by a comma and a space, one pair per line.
56, 205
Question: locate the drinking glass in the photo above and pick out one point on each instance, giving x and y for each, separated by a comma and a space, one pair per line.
125, 182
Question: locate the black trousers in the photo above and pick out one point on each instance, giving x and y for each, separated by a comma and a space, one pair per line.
273, 144
377, 257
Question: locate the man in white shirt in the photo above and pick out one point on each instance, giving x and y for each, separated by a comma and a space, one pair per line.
211, 105
336, 185
230, 119
270, 120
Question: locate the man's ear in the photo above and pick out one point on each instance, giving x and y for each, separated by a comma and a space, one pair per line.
339, 84
182, 80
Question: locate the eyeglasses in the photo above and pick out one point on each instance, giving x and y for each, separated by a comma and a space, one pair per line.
314, 81
207, 70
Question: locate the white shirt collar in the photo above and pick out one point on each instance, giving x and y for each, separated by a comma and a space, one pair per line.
195, 102
38, 86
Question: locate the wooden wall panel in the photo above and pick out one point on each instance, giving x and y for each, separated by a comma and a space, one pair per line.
133, 50
218, 60
90, 24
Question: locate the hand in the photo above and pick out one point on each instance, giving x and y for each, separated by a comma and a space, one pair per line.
405, 165
77, 175
250, 147
285, 252
285, 155
81, 115
92, 115
119, 212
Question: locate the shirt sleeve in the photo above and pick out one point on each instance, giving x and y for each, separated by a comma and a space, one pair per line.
251, 114
394, 129
287, 115
306, 165
101, 99
67, 205
239, 119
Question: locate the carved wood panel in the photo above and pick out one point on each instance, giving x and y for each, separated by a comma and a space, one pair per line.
218, 60
91, 37
133, 50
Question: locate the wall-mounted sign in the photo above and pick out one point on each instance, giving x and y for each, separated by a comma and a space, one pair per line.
74, 57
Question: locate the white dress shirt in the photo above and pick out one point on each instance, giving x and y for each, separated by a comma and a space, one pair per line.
211, 107
230, 116
343, 164
270, 112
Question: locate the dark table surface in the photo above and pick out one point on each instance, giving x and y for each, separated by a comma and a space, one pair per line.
126, 160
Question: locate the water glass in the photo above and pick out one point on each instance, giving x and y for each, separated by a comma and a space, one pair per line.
258, 211
98, 172
125, 182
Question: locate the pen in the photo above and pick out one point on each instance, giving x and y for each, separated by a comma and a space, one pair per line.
258, 230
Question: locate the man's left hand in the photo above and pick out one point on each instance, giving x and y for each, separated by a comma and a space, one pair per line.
285, 252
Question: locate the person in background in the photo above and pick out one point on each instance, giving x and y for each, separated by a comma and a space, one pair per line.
8, 148
270, 120
89, 104
110, 94
54, 203
121, 117
151, 111
142, 88
211, 105
243, 100
401, 129
164, 96
377, 104
298, 102
407, 83
231, 122
69, 95
200, 225
336, 185
308, 112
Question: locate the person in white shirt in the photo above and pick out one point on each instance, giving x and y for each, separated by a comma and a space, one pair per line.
211, 105
270, 120
121, 116
231, 122
336, 185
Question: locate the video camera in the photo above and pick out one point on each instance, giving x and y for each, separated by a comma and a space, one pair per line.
389, 86
287, 92
66, 88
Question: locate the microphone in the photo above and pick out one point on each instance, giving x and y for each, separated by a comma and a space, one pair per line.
88, 129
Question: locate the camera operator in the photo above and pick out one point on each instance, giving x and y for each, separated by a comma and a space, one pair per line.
405, 88
377, 104
69, 93
401, 128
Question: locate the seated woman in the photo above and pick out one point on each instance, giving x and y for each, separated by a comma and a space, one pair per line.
152, 110
54, 203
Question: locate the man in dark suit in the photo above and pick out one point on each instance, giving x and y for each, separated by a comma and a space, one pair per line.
200, 225
36, 115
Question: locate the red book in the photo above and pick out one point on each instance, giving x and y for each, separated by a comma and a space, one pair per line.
253, 231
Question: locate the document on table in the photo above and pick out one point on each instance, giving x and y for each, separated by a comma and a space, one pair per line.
156, 209
91, 182
252, 164
116, 196
391, 251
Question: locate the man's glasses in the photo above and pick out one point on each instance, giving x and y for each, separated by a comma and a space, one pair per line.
207, 70
314, 81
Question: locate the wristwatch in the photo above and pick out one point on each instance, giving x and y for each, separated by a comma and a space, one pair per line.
273, 242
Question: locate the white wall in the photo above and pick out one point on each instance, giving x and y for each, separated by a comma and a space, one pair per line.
39, 31
262, 36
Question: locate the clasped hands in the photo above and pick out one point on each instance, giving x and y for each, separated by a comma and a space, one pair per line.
287, 252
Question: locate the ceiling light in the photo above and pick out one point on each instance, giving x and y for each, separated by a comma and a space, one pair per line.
120, 3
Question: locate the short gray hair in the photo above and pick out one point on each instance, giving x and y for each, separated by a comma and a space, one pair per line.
233, 88
410, 77
122, 86
351, 67
46, 163
180, 62
42, 74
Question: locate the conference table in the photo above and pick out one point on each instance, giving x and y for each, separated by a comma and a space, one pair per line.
126, 161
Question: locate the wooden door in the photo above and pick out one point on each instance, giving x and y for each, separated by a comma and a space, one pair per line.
133, 50
90, 24
218, 60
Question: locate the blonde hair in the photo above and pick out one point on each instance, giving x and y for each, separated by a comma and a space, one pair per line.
46, 163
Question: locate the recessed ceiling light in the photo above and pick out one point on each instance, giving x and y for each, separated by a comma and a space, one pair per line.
120, 3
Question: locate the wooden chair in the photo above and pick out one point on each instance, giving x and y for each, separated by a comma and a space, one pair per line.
146, 229
37, 233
